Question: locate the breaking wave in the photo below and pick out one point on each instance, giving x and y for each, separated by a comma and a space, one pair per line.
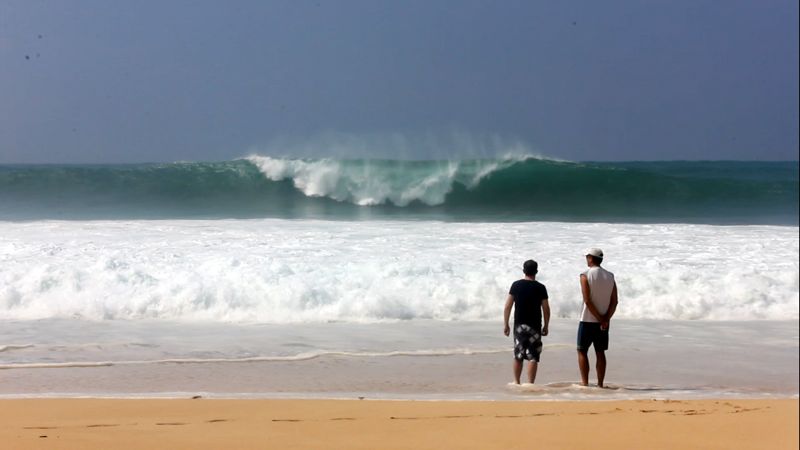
512, 188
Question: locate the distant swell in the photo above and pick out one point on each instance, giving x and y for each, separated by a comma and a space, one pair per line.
519, 188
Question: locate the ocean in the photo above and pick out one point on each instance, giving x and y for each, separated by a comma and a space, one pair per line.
270, 277
510, 189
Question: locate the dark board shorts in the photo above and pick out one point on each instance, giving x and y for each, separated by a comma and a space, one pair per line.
589, 333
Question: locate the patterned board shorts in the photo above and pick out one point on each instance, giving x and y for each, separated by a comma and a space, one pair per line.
527, 343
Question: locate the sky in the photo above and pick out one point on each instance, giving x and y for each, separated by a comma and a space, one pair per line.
149, 81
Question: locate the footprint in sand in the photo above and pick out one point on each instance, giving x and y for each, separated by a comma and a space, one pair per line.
524, 416
745, 410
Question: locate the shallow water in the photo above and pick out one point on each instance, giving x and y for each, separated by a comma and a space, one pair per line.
414, 359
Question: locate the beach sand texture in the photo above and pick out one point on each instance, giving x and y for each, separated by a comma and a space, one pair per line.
355, 424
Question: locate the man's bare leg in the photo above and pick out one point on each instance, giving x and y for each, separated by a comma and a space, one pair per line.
532, 367
583, 365
517, 370
600, 366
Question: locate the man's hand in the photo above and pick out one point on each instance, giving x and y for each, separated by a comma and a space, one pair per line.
506, 330
604, 324
545, 331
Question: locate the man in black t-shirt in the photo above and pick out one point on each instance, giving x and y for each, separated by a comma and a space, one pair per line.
528, 297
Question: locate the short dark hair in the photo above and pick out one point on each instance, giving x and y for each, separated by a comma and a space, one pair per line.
530, 267
596, 260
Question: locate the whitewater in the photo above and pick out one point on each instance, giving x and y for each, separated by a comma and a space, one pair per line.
279, 271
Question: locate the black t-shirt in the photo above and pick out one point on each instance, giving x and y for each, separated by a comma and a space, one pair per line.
528, 296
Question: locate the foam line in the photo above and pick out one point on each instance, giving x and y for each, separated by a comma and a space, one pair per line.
10, 348
292, 358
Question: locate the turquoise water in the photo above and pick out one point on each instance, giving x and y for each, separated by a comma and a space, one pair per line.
510, 189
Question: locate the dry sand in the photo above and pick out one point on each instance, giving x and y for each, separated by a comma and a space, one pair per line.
353, 424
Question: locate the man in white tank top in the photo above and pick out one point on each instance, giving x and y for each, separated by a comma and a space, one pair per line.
599, 292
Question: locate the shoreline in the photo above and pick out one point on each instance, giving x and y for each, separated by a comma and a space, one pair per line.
297, 423
388, 397
415, 360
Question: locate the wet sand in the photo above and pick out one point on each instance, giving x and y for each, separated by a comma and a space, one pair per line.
353, 424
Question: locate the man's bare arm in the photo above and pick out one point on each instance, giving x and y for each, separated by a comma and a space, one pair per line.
612, 307
587, 299
507, 314
546, 314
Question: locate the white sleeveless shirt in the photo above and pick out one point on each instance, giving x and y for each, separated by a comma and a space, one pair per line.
601, 284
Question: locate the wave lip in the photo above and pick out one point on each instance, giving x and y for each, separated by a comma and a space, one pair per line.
378, 182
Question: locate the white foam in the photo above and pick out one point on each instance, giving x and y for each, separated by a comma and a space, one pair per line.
282, 271
9, 348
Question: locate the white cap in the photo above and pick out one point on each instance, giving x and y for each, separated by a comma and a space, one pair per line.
596, 252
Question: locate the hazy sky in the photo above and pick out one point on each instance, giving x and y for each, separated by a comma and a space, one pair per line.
133, 81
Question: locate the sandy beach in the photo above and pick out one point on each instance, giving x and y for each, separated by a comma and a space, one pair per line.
287, 424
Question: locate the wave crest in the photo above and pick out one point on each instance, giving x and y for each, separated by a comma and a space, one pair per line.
378, 182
